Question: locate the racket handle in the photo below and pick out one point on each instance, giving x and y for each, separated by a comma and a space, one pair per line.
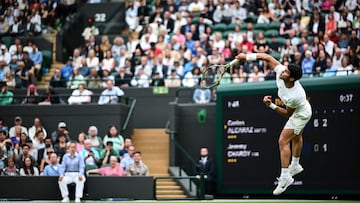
234, 62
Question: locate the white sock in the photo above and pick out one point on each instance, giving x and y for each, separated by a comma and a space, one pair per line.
285, 172
295, 160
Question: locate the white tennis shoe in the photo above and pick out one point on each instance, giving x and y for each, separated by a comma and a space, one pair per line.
295, 169
283, 184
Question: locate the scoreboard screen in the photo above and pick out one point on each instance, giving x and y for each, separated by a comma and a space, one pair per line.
247, 139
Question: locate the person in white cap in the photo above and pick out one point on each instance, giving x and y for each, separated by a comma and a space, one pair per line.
60, 130
18, 122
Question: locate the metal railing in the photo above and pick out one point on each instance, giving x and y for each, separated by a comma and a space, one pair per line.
200, 182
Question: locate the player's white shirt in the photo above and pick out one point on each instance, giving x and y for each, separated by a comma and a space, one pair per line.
293, 97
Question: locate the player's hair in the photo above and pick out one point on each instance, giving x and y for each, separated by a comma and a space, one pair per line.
295, 71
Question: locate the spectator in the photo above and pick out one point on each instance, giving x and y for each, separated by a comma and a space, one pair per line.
108, 63
138, 168
90, 29
10, 168
83, 67
18, 123
52, 169
37, 125
114, 169
173, 80
206, 166
91, 155
127, 144
38, 142
67, 69
308, 63
57, 80
32, 95
320, 63
202, 95
191, 78
9, 79
93, 80
80, 95
114, 136
257, 75
123, 79
345, 68
330, 70
26, 151
157, 80
6, 96
2, 159
37, 57
29, 168
22, 76
76, 79
60, 130
92, 60
72, 170
286, 27
222, 14
46, 159
80, 144
77, 57
4, 128
107, 153
132, 15
316, 25
96, 141
60, 148
50, 97
110, 94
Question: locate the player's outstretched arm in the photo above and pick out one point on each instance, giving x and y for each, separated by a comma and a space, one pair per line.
271, 61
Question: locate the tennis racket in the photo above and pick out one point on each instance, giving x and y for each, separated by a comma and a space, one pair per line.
213, 74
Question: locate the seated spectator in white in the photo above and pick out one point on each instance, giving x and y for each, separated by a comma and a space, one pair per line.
72, 170
113, 170
36, 126
38, 142
18, 123
52, 169
138, 168
96, 141
191, 78
202, 95
173, 80
110, 94
17, 28
28, 168
140, 79
92, 60
91, 155
346, 68
10, 168
4, 54
257, 75
75, 79
80, 95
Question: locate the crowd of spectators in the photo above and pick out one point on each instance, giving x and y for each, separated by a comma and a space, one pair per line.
171, 42
28, 151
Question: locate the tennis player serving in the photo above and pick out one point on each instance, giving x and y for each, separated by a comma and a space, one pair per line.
297, 109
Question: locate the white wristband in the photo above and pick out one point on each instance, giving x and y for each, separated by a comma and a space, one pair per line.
273, 106
234, 62
251, 57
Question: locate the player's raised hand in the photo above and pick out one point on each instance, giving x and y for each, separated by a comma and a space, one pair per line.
267, 100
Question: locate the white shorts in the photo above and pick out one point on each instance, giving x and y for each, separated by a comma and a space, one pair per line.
299, 119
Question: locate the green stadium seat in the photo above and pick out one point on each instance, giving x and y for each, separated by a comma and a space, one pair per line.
270, 33
220, 27
274, 25
8, 40
226, 34
195, 20
252, 18
47, 59
232, 26
261, 26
